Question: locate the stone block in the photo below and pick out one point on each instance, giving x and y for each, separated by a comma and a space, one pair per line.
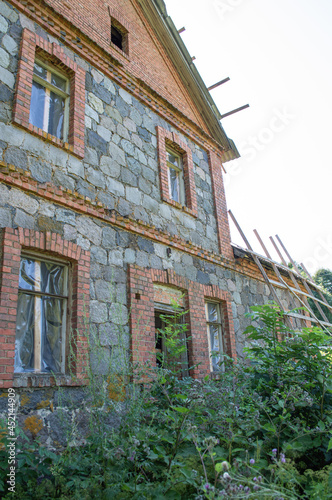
105, 291
5, 217
89, 229
117, 154
96, 142
104, 133
3, 25
95, 103
122, 131
115, 187
64, 180
98, 255
125, 96
40, 170
118, 314
22, 219
86, 189
150, 204
75, 166
128, 177
21, 200
64, 215
116, 258
96, 178
129, 256
109, 237
10, 45
133, 195
98, 312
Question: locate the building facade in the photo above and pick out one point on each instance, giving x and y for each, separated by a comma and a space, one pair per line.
111, 199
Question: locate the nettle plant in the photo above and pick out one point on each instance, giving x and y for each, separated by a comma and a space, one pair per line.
291, 375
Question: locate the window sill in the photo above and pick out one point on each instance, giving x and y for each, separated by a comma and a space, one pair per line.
177, 205
46, 380
119, 51
51, 138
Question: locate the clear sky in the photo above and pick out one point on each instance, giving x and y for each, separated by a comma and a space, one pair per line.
278, 55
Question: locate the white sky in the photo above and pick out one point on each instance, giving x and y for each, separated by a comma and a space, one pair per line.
277, 54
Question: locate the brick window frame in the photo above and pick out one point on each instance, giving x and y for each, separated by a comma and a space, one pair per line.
142, 328
32, 46
12, 243
123, 26
164, 139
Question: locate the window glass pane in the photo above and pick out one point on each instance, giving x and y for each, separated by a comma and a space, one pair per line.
40, 71
213, 312
37, 105
53, 278
56, 116
51, 345
171, 158
24, 344
27, 274
174, 187
214, 343
58, 82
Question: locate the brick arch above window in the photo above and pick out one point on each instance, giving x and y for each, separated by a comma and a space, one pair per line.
13, 242
33, 45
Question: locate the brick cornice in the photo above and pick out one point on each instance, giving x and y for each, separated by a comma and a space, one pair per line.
112, 65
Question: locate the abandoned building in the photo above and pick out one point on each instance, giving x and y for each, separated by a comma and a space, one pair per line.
111, 199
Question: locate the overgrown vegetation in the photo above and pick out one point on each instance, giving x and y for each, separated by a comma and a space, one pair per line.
261, 431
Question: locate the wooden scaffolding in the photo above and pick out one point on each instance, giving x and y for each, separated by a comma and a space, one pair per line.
303, 288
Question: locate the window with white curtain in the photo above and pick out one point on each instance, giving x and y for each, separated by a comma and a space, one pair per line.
40, 343
49, 105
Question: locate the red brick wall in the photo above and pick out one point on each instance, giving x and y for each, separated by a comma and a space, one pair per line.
224, 236
13, 242
141, 295
147, 59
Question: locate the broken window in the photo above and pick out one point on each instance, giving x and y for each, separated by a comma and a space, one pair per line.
171, 340
41, 316
215, 336
116, 37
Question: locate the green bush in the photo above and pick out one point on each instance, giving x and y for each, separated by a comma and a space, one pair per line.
262, 431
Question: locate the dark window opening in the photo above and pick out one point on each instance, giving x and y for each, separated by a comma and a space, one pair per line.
117, 37
164, 357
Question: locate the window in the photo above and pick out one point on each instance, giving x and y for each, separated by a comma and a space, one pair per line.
215, 336
50, 94
175, 177
41, 316
49, 100
120, 34
116, 37
176, 172
175, 355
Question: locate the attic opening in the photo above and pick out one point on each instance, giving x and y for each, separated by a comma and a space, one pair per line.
119, 36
